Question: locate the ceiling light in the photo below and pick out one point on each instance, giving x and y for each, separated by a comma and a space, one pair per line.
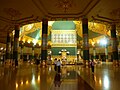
64, 4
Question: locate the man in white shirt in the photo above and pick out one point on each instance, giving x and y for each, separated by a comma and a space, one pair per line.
58, 65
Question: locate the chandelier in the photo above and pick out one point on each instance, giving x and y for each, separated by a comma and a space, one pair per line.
64, 4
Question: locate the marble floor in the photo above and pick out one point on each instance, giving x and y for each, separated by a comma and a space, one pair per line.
72, 77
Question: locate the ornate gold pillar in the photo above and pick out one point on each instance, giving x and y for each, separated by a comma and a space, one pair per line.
85, 41
16, 44
44, 42
8, 48
114, 45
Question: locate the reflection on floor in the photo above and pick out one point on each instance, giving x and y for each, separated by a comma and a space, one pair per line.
31, 77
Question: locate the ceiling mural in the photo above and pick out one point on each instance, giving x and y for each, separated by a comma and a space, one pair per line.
32, 32
36, 34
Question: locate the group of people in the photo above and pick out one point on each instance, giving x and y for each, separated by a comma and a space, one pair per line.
57, 66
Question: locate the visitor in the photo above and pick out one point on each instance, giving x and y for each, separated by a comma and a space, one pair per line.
58, 66
92, 66
55, 64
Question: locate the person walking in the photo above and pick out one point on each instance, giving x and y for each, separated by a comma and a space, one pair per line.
92, 66
58, 66
55, 64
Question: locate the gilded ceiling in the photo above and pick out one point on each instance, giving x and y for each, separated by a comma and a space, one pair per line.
25, 12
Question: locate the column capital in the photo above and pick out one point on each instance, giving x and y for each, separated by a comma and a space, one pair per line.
113, 23
83, 17
17, 27
85, 20
113, 26
45, 20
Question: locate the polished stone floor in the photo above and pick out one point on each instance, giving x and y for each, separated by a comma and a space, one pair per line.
72, 77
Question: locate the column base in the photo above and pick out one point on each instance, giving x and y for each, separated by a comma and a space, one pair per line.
16, 63
20, 61
115, 63
7, 62
43, 63
107, 60
86, 63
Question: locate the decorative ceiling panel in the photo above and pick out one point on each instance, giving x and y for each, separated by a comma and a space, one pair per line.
32, 11
65, 7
